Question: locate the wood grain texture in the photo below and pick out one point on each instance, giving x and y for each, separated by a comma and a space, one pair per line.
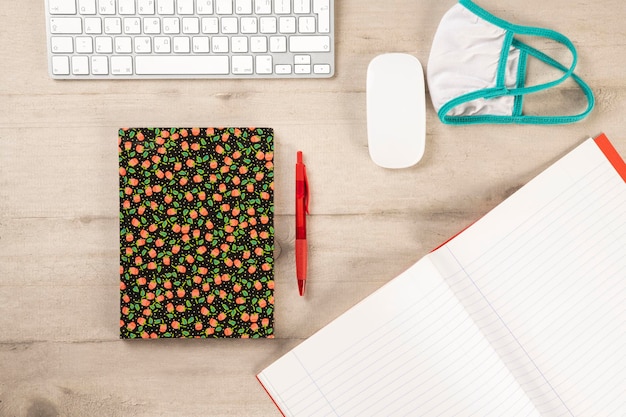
59, 348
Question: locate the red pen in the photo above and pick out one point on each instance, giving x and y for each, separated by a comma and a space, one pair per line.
302, 209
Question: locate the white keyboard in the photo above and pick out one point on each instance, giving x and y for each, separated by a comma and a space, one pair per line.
115, 39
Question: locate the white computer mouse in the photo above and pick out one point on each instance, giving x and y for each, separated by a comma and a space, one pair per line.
396, 110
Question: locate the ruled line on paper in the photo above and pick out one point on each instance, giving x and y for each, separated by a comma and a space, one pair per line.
425, 381
389, 327
550, 241
498, 247
430, 347
429, 338
540, 271
382, 354
522, 347
314, 382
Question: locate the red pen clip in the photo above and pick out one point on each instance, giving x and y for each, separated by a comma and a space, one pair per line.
302, 184
306, 189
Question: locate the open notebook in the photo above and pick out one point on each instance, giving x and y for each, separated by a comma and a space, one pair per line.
521, 314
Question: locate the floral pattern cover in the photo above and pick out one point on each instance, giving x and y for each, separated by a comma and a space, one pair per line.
196, 232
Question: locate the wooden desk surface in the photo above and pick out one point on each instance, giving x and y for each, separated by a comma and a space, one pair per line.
59, 349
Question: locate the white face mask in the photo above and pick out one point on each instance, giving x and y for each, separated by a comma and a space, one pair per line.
477, 69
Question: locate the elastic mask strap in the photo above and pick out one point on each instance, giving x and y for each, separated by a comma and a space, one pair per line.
521, 80
518, 92
530, 31
501, 90
527, 49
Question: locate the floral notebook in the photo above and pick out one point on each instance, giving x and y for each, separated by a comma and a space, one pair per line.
196, 232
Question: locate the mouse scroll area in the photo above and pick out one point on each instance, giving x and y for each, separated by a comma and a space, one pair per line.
396, 110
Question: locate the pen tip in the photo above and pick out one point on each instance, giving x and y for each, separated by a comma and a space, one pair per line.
301, 285
299, 157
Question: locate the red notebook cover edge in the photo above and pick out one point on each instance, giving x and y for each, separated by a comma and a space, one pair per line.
270, 395
611, 154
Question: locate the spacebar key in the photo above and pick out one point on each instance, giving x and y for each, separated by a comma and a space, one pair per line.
181, 65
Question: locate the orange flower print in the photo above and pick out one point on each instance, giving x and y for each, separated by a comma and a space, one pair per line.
196, 232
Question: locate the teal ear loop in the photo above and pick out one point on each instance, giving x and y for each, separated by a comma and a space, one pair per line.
501, 90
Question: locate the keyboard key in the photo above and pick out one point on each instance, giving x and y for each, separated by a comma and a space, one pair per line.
258, 44
204, 6
278, 44
200, 44
171, 25
181, 44
301, 6
106, 6
66, 25
184, 6
191, 25
132, 25
104, 45
60, 65
321, 69
210, 25
165, 7
263, 64
145, 7
229, 25
151, 26
239, 44
287, 25
62, 44
322, 9
302, 69
113, 25
242, 64
263, 6
306, 24
99, 65
143, 44
62, 6
126, 6
122, 65
224, 6
87, 7
302, 59
93, 25
268, 24
162, 45
80, 65
84, 44
283, 69
309, 44
123, 45
219, 44
282, 7
187, 65
248, 25
243, 6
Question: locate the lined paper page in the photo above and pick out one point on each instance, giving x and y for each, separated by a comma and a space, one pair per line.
544, 277
408, 349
